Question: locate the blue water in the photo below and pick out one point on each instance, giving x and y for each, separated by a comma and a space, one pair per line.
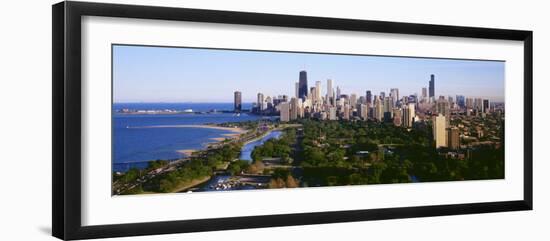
134, 146
196, 107
246, 151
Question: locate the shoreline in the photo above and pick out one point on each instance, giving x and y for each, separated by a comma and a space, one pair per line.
187, 152
192, 184
236, 130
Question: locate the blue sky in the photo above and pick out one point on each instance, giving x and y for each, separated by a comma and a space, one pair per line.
167, 74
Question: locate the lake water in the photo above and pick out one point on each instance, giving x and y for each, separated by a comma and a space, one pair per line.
134, 146
246, 151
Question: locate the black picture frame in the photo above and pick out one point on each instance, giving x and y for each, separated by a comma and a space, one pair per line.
66, 75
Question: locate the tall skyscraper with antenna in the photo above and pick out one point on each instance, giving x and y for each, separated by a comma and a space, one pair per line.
302, 85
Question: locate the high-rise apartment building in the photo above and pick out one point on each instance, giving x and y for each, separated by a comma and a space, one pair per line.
439, 131
397, 116
294, 108
379, 110
237, 101
454, 138
284, 110
408, 115
260, 102
346, 112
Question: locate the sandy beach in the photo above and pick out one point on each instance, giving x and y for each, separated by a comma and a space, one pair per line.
187, 152
218, 138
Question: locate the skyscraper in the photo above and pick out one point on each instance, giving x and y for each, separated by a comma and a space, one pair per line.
460, 101
439, 131
353, 101
260, 102
297, 90
312, 94
364, 111
330, 92
432, 86
469, 103
338, 92
346, 112
398, 116
408, 115
294, 108
237, 101
369, 97
394, 93
378, 110
318, 91
302, 89
478, 104
486, 107
388, 106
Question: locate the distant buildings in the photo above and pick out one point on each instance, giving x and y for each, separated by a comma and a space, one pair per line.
260, 103
485, 108
403, 111
237, 101
424, 93
460, 101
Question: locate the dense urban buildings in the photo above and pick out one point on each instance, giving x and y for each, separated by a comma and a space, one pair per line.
448, 117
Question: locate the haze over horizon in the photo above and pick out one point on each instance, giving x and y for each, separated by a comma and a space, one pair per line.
173, 75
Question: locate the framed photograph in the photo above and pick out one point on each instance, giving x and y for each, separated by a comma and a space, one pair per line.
169, 120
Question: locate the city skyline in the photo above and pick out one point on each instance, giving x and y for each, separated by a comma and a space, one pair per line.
206, 75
